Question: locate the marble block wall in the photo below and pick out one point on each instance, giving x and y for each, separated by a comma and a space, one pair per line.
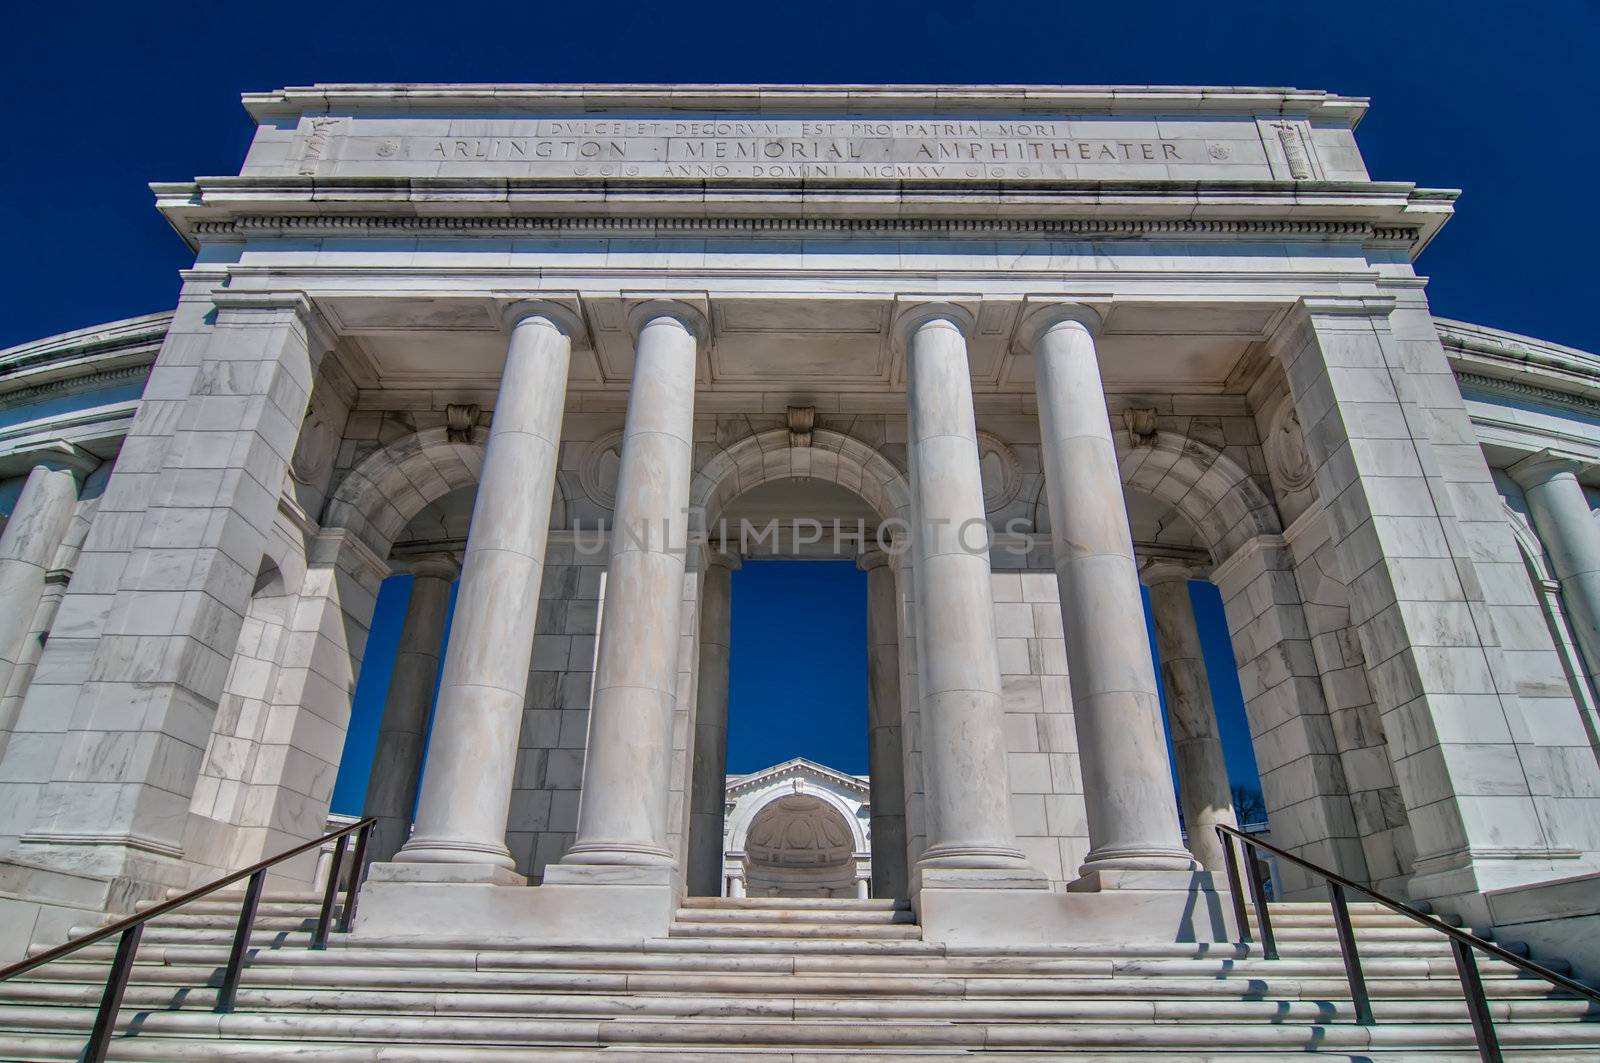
1047, 806
555, 720
1357, 727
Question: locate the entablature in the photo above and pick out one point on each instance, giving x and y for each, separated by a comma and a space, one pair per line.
1391, 215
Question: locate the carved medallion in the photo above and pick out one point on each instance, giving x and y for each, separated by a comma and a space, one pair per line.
1002, 471
314, 450
1285, 448
598, 471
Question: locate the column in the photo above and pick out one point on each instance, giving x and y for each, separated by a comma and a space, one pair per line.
622, 811
27, 547
963, 746
1561, 516
1203, 787
55, 588
397, 763
708, 789
466, 789
883, 730
1127, 784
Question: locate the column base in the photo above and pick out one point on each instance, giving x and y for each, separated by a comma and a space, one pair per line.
481, 873
616, 854
1105, 907
1144, 858
589, 903
1025, 877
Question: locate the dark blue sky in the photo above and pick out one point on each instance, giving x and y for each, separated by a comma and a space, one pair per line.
1495, 99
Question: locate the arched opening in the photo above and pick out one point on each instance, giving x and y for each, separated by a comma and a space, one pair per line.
799, 845
802, 675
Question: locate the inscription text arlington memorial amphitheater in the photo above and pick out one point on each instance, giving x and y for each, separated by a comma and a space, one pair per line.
1031, 348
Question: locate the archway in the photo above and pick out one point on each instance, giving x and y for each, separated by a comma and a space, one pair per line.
799, 846
776, 505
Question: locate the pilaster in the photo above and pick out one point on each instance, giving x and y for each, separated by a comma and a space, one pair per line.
1376, 408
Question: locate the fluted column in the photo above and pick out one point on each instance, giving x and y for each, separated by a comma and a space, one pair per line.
622, 811
466, 788
963, 745
709, 789
1566, 527
38, 523
1127, 784
397, 762
884, 764
1203, 788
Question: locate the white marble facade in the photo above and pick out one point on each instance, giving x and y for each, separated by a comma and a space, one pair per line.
1029, 349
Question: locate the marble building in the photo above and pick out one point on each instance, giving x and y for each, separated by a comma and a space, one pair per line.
1032, 348
799, 829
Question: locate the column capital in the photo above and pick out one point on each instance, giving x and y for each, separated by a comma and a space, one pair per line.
1542, 467
916, 314
58, 455
1045, 318
445, 566
565, 319
1156, 570
691, 318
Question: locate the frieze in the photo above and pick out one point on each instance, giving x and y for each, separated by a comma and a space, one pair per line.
892, 149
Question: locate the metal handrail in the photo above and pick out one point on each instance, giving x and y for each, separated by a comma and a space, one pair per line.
1462, 942
131, 928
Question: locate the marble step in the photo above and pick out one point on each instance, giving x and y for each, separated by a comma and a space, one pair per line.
277, 896
787, 1005
869, 916
810, 903
229, 907
761, 957
228, 923
910, 984
1173, 1035
800, 940
48, 1049
774, 931
1325, 919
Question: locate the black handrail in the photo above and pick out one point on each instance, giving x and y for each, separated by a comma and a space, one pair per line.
132, 928
1462, 942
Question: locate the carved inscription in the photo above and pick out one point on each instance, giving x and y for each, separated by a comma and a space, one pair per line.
783, 148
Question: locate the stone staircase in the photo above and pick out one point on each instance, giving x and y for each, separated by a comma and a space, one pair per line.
769, 979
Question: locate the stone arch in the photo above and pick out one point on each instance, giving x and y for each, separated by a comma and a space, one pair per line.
379, 497
832, 456
1212, 491
745, 817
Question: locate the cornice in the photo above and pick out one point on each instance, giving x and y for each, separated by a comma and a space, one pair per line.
1077, 228
1323, 107
232, 208
1588, 403
88, 382
1493, 360
70, 358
